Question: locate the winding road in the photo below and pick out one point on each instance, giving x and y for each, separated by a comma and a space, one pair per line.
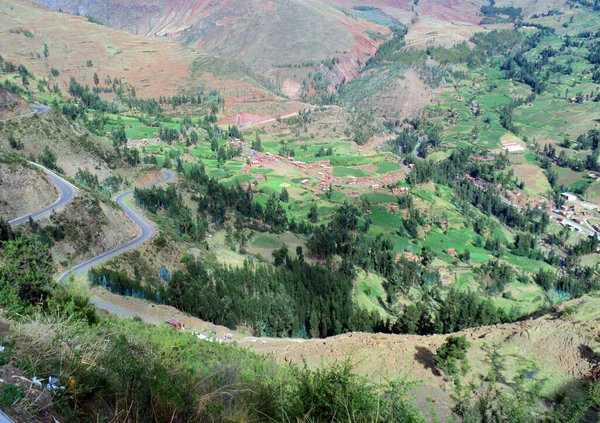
145, 235
36, 109
67, 193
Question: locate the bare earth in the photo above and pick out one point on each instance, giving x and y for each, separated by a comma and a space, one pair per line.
24, 191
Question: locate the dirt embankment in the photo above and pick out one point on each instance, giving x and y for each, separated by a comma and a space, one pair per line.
556, 349
24, 191
12, 105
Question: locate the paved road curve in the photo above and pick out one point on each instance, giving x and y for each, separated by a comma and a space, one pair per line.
144, 226
67, 192
35, 110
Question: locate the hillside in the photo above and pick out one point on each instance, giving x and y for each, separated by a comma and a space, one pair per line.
12, 105
23, 190
72, 146
59, 46
262, 34
555, 349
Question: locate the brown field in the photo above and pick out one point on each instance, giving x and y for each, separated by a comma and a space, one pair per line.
534, 178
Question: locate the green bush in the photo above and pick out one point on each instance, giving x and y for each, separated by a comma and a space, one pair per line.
451, 352
10, 394
336, 394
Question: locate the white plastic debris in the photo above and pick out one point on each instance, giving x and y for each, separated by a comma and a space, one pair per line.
54, 383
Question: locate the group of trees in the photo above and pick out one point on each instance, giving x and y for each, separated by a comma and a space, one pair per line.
294, 298
440, 311
494, 14
213, 99
187, 224
109, 186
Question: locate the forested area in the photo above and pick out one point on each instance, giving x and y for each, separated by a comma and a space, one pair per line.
293, 299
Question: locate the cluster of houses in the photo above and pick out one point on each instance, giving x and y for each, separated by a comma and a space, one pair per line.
188, 158
521, 199
141, 143
408, 256
578, 99
374, 182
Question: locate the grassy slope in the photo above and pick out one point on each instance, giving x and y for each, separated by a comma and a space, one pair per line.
75, 148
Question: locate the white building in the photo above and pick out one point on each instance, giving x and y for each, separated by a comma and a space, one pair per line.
512, 147
568, 196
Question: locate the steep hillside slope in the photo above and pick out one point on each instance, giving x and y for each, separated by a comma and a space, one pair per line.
74, 148
556, 349
444, 22
89, 226
262, 33
58, 46
24, 190
12, 105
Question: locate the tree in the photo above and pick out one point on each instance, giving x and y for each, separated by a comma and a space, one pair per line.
466, 256
313, 214
48, 159
119, 137
194, 137
280, 255
427, 255
314, 324
329, 192
451, 352
96, 79
6, 232
284, 195
257, 143
46, 52
167, 163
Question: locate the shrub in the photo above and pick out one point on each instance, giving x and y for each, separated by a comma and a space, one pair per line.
11, 394
336, 394
451, 352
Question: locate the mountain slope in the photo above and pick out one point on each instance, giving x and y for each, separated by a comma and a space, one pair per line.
262, 33
23, 190
12, 105
555, 349
284, 40
58, 46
